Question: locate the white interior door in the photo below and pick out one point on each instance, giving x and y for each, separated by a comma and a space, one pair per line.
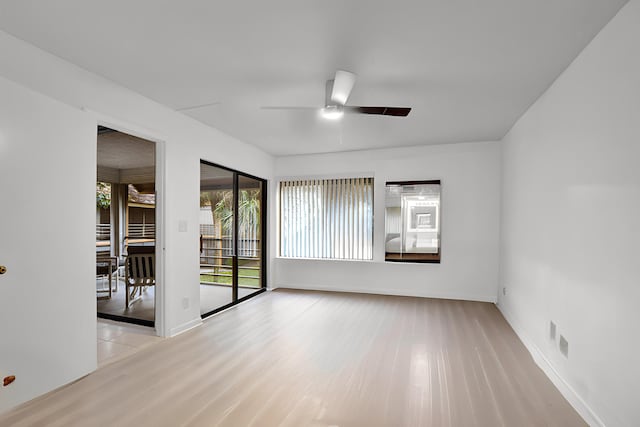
47, 221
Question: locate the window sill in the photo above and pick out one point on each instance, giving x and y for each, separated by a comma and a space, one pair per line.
325, 259
368, 261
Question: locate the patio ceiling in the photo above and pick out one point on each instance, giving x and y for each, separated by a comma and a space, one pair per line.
118, 150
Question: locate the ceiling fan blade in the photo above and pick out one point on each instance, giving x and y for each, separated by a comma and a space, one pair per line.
342, 85
381, 111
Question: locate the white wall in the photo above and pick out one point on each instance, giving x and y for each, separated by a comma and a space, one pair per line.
40, 128
571, 203
470, 175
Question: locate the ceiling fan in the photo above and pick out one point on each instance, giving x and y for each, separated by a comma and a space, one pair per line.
337, 92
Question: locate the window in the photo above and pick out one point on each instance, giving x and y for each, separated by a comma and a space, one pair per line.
412, 221
327, 218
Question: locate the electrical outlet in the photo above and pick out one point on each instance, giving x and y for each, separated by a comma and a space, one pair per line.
552, 331
504, 290
185, 302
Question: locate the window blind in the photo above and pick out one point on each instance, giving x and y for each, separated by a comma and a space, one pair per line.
327, 218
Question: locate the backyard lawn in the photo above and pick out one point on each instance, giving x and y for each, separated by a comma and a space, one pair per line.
222, 276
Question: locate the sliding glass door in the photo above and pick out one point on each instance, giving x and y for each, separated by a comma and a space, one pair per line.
217, 226
250, 235
125, 227
232, 237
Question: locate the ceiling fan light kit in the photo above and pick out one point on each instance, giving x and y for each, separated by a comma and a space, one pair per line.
337, 93
332, 112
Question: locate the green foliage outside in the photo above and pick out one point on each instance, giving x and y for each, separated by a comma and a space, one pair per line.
103, 195
221, 203
248, 208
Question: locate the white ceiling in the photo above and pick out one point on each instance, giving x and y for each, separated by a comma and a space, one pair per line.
468, 68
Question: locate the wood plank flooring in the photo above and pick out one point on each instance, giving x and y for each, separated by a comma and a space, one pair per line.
117, 340
295, 358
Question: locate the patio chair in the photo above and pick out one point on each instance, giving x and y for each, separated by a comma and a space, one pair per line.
106, 266
139, 273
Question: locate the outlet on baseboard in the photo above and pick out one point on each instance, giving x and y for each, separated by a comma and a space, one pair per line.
564, 346
552, 331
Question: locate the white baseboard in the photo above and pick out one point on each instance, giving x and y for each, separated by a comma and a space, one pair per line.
185, 327
569, 393
394, 292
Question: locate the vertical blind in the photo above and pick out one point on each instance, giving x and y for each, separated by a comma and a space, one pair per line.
327, 218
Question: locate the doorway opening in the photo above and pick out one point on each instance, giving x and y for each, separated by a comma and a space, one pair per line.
125, 227
232, 237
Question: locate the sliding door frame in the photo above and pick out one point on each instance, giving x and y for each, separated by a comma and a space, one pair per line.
263, 235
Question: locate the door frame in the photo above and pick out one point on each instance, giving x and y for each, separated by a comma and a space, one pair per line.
119, 125
263, 240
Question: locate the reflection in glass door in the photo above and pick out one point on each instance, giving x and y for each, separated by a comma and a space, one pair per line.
217, 226
250, 260
231, 237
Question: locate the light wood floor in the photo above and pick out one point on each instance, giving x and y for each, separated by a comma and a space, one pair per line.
293, 358
117, 340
